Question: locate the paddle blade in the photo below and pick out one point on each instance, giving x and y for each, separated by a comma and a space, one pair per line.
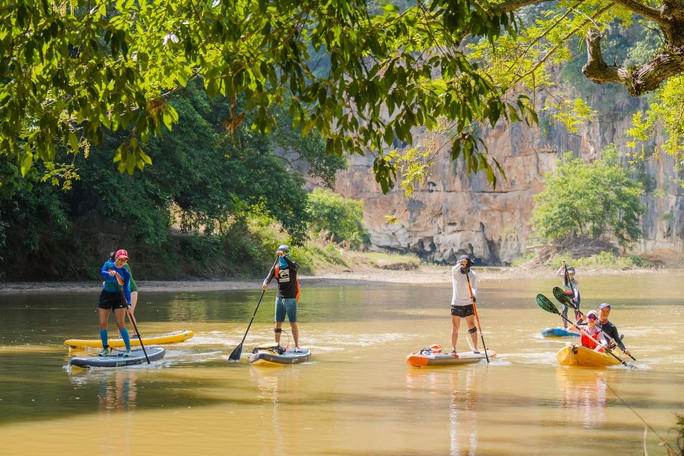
564, 299
546, 304
235, 356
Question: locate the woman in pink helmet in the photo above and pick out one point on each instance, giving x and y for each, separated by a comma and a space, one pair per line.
115, 296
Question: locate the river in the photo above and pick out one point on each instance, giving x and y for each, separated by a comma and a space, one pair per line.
356, 396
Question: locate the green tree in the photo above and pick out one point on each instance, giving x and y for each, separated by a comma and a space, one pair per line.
339, 218
74, 70
596, 200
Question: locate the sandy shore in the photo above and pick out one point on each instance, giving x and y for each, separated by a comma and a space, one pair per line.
424, 275
421, 276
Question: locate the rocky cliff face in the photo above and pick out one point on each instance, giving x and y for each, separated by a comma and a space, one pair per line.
455, 213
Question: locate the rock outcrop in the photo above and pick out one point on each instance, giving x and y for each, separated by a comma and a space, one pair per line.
455, 213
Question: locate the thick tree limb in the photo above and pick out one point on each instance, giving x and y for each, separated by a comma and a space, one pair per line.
638, 81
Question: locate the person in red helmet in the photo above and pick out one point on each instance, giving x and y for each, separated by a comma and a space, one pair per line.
115, 296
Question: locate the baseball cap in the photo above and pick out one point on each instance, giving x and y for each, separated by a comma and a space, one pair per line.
592, 312
603, 305
121, 254
284, 248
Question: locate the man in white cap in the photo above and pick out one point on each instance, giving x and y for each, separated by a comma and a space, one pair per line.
461, 303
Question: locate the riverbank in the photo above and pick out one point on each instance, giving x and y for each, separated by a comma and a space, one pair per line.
423, 275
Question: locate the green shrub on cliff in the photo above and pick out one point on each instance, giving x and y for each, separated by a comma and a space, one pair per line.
596, 200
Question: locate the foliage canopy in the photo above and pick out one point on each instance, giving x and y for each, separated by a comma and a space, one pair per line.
362, 77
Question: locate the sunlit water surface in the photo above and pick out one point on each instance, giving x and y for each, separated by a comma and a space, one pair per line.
356, 395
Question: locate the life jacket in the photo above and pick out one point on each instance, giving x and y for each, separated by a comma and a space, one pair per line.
275, 274
589, 342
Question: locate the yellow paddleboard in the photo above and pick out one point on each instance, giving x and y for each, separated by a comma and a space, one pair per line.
169, 338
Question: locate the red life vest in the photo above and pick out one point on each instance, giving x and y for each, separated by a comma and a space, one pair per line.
589, 342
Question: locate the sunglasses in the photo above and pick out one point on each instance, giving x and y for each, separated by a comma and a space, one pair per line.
591, 317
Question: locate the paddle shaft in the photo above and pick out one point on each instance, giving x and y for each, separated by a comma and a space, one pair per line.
477, 317
135, 327
555, 310
235, 355
563, 299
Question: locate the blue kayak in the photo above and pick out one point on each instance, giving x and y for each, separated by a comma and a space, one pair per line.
558, 332
117, 358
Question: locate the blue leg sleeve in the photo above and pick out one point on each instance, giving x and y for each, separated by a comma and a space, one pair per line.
103, 337
126, 338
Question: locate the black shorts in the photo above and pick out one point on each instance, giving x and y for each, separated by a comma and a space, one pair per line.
111, 300
462, 311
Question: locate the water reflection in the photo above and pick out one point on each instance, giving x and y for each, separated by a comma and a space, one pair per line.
460, 387
584, 390
117, 390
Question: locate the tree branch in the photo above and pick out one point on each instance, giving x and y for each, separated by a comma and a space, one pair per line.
644, 11
642, 79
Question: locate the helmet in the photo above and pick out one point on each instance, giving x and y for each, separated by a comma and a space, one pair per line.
284, 248
121, 254
571, 270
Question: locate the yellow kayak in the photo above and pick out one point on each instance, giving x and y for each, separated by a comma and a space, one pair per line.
576, 355
168, 338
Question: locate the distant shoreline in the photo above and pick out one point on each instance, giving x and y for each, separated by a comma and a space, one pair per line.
424, 275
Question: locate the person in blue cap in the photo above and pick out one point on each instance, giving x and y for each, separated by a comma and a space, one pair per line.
608, 328
285, 274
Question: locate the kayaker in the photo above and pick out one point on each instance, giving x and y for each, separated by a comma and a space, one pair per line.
590, 333
609, 328
461, 304
285, 273
571, 288
116, 296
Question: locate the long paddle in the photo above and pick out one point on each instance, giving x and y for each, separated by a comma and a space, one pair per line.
235, 355
546, 304
130, 317
477, 318
565, 300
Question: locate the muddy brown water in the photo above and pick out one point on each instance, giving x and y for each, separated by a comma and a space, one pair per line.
356, 396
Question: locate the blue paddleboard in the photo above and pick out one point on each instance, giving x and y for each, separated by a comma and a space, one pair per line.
557, 332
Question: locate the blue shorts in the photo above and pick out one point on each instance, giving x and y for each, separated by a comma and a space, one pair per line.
286, 306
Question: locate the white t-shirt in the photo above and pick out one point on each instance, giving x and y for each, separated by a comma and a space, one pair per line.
459, 283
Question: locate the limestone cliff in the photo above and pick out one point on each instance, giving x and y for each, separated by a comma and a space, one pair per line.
455, 213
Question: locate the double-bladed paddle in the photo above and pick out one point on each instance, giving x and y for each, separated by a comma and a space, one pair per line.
235, 355
566, 301
546, 304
